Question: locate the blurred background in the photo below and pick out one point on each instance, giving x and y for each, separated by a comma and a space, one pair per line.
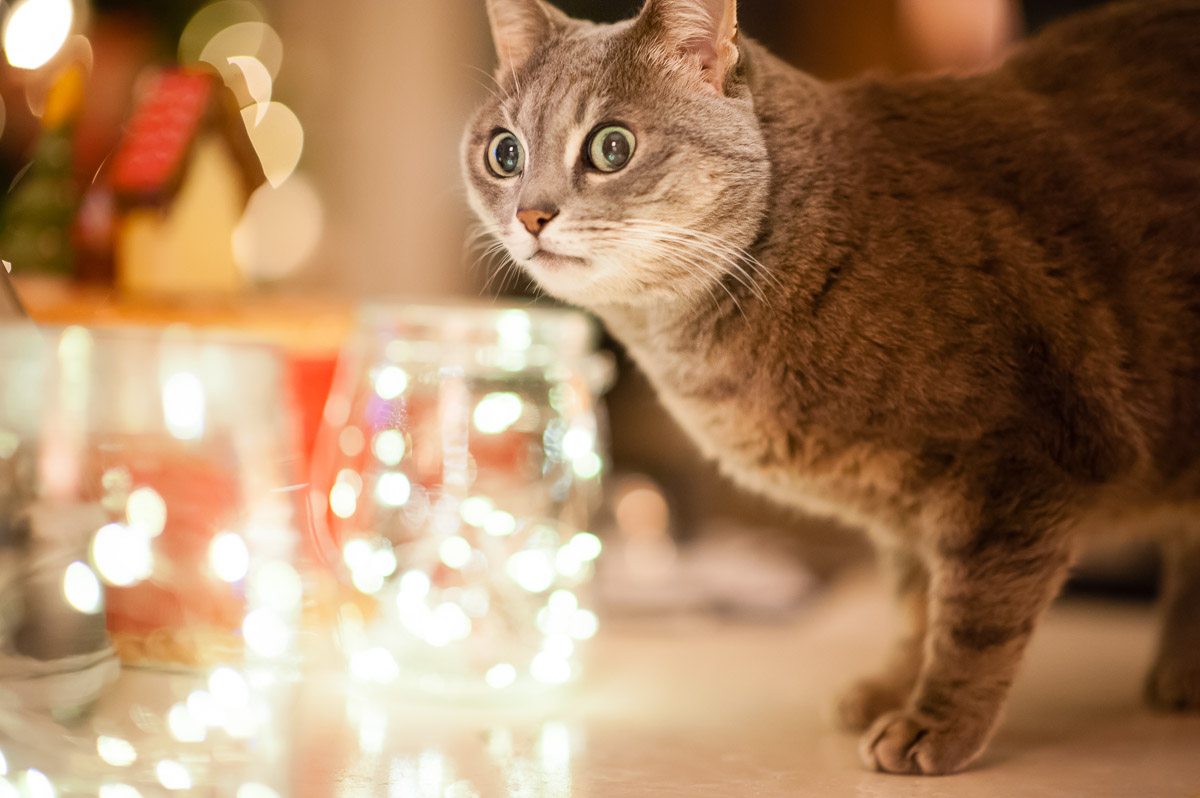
309, 150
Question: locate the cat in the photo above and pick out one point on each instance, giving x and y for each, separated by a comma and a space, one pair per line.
960, 313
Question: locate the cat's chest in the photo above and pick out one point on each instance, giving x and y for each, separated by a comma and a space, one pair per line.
759, 435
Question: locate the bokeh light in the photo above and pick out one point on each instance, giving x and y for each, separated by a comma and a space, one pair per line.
183, 405
279, 230
278, 139
36, 30
82, 589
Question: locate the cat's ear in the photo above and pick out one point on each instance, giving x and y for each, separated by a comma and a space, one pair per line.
519, 26
705, 32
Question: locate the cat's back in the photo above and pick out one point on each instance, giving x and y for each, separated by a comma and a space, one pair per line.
1123, 77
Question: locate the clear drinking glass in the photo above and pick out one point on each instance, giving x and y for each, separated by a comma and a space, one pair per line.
149, 597
455, 481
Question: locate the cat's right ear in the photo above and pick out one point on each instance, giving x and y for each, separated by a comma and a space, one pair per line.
519, 26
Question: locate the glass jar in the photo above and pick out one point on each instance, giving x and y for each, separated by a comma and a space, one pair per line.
455, 479
149, 599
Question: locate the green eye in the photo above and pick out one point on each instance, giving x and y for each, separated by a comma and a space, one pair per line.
505, 157
611, 148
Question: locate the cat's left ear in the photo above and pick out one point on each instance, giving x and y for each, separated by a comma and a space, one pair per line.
705, 32
519, 26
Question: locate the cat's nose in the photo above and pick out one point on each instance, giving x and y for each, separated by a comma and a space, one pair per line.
536, 219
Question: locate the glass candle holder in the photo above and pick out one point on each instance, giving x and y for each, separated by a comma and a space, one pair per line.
455, 481
149, 597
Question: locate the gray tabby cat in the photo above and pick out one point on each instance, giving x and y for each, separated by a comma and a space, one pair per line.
963, 314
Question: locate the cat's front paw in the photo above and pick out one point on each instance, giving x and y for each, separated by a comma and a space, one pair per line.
1173, 684
910, 743
863, 701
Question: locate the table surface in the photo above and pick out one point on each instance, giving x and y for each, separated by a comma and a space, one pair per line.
701, 707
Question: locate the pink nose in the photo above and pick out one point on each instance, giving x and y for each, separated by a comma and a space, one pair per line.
535, 219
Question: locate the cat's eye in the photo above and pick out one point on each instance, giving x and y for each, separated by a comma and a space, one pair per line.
505, 156
610, 148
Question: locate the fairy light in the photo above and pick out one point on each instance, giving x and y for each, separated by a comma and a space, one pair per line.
391, 382
343, 501
588, 466
228, 557
499, 523
38, 785
389, 447
116, 751
501, 675
393, 489
549, 669
266, 632
173, 775
578, 442
205, 708
183, 405
184, 726
583, 625
374, 665
475, 510
229, 688
497, 412
531, 569
82, 589
122, 555
119, 790
36, 30
147, 510
254, 789
276, 585
455, 552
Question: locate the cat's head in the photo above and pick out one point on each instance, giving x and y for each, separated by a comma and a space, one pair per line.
619, 164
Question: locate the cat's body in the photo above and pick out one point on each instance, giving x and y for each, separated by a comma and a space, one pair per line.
973, 327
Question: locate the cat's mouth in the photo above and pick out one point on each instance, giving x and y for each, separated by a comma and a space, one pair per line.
552, 260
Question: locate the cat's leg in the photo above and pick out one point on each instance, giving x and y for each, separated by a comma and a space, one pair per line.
866, 699
1174, 681
986, 595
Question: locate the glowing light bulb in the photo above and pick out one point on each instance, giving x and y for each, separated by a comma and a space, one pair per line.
115, 751
228, 557
588, 466
499, 523
122, 554
184, 726
173, 775
343, 502
253, 789
266, 633
37, 785
475, 510
36, 30
390, 382
82, 589
532, 570
549, 669
229, 688
455, 552
119, 790
497, 412
389, 447
500, 676
393, 489
183, 405
147, 510
583, 624
578, 442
